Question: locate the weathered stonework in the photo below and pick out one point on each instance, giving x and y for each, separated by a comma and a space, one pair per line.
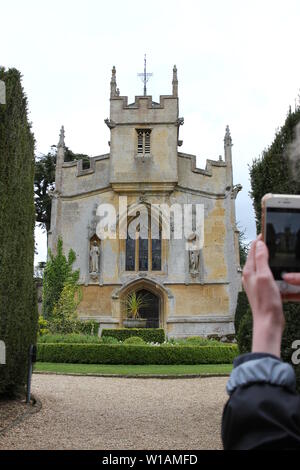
196, 296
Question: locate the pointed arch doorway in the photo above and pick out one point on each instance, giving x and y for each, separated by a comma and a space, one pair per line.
151, 310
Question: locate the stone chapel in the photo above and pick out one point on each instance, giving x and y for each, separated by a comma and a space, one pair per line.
191, 290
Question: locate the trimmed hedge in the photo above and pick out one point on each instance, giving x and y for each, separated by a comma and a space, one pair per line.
149, 335
70, 338
87, 327
135, 354
134, 340
18, 303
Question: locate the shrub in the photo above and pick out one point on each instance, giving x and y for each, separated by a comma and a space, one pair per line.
58, 271
134, 340
109, 340
291, 333
70, 338
149, 335
18, 305
244, 336
87, 327
74, 326
64, 316
241, 309
200, 341
43, 326
135, 354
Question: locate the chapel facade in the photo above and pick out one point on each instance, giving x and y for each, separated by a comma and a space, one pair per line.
191, 281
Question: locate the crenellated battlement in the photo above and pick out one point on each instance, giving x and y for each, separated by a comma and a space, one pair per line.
144, 109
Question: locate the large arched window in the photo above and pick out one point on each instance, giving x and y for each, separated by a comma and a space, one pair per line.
144, 254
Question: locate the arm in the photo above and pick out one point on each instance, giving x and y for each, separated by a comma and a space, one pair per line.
263, 410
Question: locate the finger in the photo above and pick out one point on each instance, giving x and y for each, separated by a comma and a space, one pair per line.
250, 263
292, 278
261, 258
259, 237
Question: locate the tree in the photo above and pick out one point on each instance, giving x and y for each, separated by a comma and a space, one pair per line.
44, 179
244, 247
273, 173
64, 318
18, 306
57, 272
44, 182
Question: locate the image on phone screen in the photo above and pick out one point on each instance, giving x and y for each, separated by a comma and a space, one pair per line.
283, 240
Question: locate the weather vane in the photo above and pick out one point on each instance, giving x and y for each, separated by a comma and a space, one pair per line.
145, 76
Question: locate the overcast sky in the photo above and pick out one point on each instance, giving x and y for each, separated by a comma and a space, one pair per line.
238, 64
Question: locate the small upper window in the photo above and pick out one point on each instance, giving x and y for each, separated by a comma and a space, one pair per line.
143, 146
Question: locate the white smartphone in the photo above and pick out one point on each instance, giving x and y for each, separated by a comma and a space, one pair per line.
281, 233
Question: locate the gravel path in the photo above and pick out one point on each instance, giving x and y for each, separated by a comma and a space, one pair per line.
11, 410
118, 413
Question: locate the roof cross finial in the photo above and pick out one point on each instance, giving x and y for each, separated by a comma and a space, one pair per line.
145, 76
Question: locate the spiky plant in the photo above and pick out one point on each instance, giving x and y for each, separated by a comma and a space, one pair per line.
133, 303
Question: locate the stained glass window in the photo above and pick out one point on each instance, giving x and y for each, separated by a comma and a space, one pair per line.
143, 254
156, 255
130, 254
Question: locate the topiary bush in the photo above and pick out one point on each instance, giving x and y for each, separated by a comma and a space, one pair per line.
135, 354
134, 340
18, 303
149, 335
42, 326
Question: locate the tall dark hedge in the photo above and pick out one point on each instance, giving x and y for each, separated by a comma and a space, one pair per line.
291, 314
18, 308
241, 309
273, 173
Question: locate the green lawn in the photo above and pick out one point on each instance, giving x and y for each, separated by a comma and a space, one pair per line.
197, 369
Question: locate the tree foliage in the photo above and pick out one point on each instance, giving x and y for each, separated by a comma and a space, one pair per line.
243, 247
273, 173
18, 307
64, 317
44, 182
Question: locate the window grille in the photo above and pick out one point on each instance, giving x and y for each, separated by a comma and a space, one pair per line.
143, 147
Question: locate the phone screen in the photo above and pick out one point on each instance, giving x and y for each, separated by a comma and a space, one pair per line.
283, 240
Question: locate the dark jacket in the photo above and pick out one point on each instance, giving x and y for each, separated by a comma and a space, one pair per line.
263, 411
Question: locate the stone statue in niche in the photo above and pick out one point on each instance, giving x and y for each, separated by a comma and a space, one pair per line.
194, 254
194, 261
94, 257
